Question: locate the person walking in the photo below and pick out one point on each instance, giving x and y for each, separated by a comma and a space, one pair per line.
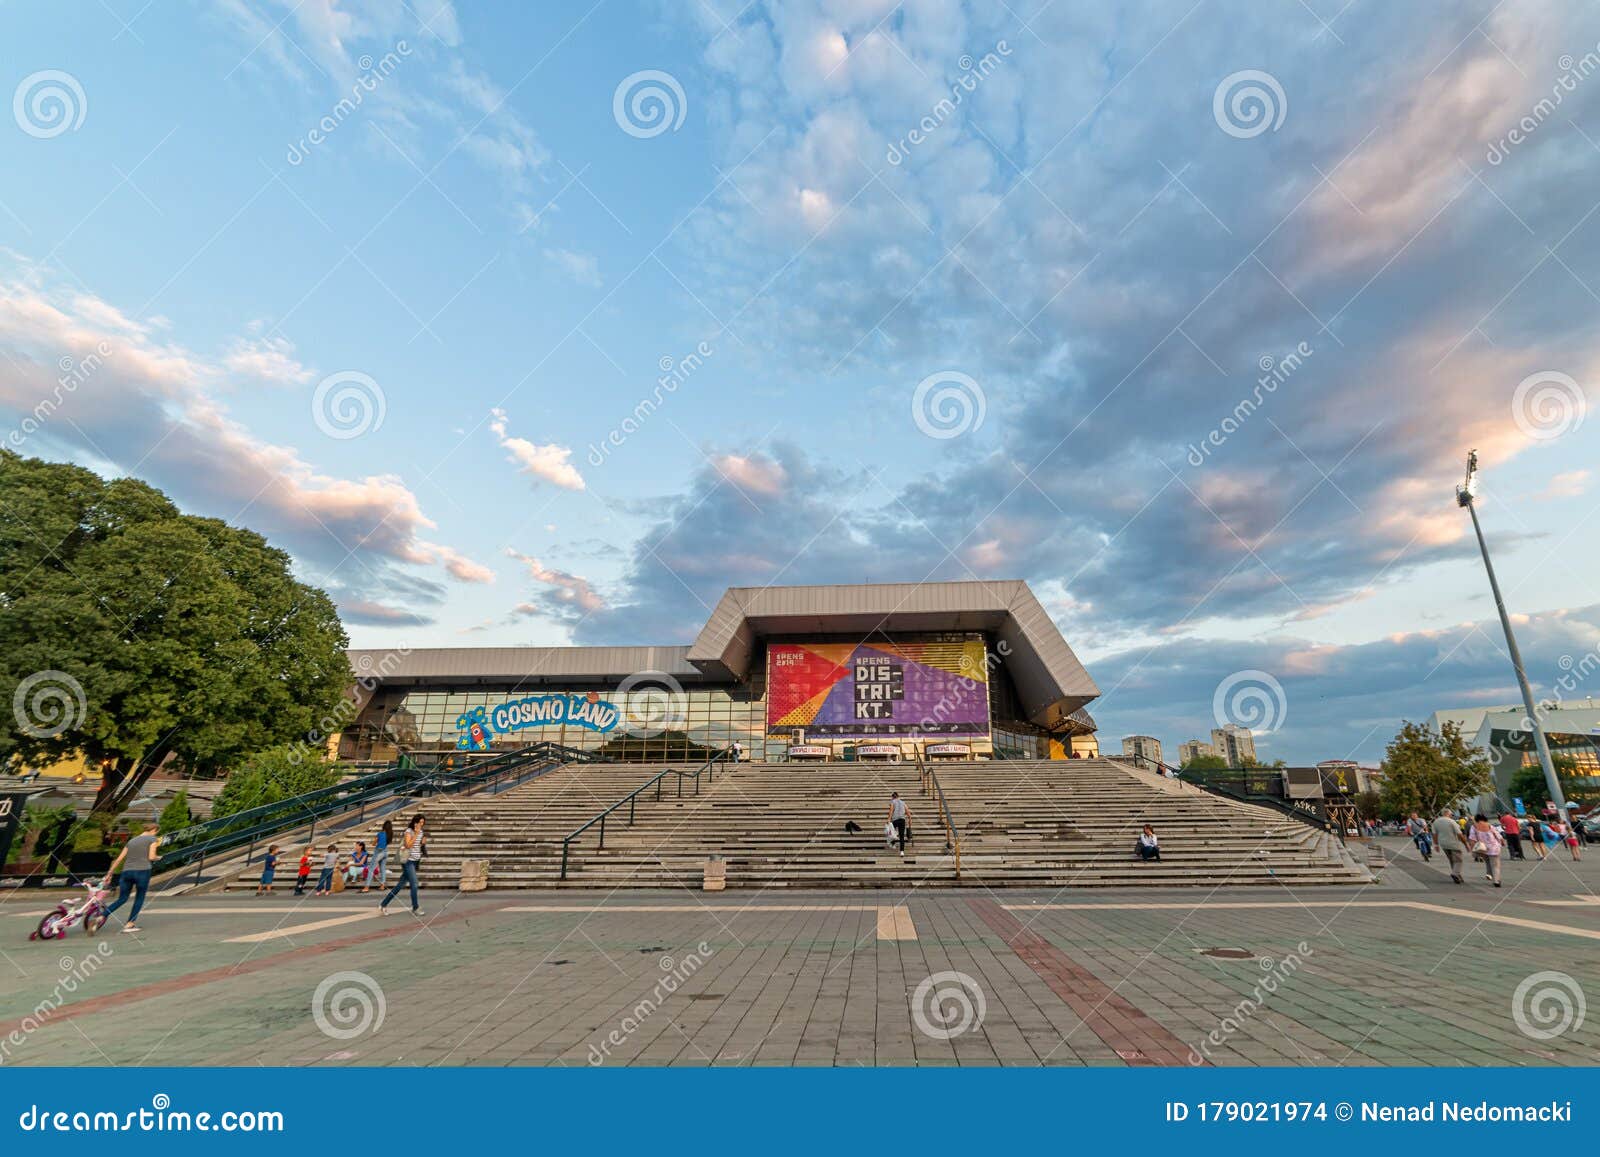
1535, 835
1513, 830
414, 845
1447, 838
380, 855
1417, 829
900, 817
1569, 835
135, 860
1486, 846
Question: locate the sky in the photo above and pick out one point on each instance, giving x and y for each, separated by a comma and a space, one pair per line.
544, 324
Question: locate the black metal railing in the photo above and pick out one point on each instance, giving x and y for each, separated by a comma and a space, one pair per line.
632, 800
1293, 811
931, 786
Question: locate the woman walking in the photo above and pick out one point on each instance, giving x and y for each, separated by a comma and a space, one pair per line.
410, 860
1486, 846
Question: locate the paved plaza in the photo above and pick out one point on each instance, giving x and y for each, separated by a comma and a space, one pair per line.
1410, 971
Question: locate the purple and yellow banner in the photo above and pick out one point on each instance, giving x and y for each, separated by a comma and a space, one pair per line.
878, 689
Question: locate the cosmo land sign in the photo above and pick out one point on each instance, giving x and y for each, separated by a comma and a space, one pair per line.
478, 727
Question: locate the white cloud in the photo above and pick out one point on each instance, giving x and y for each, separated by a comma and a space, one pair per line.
550, 463
581, 267
151, 407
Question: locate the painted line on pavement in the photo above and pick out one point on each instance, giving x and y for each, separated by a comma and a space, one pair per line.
895, 923
1418, 905
164, 910
296, 929
735, 908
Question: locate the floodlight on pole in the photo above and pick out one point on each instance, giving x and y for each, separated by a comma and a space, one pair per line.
1465, 493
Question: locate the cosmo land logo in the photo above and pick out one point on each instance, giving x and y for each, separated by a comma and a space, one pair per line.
478, 727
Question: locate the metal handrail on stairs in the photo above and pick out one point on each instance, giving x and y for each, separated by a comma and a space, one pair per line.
632, 800
930, 786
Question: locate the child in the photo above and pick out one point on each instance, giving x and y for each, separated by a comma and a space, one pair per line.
268, 866
305, 873
330, 864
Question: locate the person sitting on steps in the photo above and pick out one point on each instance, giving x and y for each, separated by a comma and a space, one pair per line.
1149, 846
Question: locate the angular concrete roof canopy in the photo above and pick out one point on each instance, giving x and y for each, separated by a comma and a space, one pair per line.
1050, 681
1052, 684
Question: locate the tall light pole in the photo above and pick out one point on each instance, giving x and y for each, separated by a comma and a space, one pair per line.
1465, 493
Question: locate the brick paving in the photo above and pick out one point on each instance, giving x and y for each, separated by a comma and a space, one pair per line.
1406, 972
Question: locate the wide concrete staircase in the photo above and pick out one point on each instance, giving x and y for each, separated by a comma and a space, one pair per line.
1075, 822
1022, 823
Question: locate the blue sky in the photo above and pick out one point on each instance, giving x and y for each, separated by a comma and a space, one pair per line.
378, 278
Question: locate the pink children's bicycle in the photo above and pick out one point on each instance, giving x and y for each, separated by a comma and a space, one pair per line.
90, 912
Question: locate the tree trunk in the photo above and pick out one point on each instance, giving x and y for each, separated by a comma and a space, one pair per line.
123, 783
112, 779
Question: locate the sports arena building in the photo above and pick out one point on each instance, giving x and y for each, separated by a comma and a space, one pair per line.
965, 669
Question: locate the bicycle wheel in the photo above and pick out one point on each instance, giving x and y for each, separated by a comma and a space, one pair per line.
93, 922
51, 926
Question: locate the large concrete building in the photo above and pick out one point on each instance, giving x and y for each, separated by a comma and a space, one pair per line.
1504, 734
1235, 744
1144, 750
942, 669
1192, 749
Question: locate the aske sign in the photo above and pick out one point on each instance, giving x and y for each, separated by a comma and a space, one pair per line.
878, 689
478, 727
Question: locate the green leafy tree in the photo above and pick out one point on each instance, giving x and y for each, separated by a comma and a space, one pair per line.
1528, 783
176, 815
1427, 771
167, 636
273, 776
1201, 764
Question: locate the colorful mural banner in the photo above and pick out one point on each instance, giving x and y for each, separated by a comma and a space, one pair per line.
479, 726
878, 689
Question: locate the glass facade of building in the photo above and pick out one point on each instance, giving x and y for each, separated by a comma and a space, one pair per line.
655, 725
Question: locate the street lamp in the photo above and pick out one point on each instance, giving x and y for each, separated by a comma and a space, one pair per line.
1465, 493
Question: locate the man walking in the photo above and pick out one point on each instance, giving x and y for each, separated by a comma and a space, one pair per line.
1447, 838
1513, 834
900, 818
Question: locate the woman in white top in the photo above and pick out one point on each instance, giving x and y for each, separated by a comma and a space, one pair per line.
1486, 845
411, 854
1149, 847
